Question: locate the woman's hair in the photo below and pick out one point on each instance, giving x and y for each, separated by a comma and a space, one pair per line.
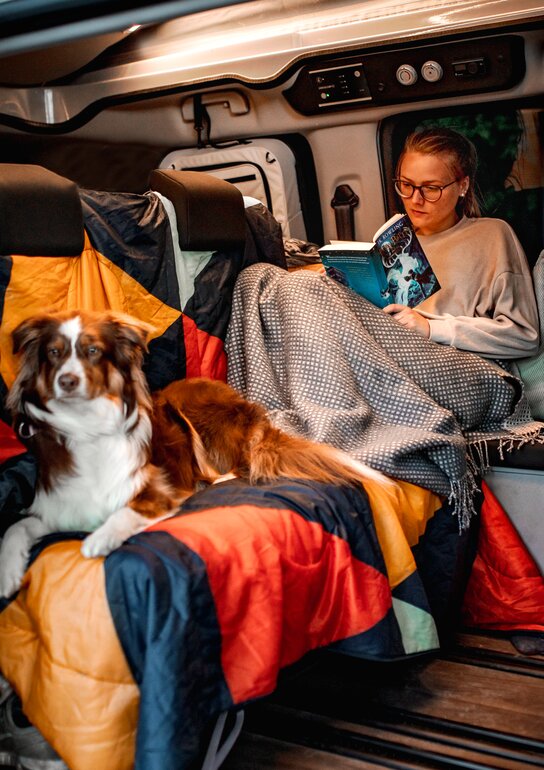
461, 158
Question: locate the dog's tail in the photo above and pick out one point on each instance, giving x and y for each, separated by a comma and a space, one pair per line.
272, 453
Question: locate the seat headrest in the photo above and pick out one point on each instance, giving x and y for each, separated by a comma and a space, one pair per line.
209, 211
40, 212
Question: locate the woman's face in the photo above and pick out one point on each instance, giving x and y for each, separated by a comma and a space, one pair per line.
426, 216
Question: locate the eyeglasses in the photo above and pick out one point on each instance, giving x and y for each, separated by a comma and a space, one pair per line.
431, 192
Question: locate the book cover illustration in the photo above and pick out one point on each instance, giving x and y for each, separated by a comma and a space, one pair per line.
392, 269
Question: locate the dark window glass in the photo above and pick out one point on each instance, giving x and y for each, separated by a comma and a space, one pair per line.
510, 179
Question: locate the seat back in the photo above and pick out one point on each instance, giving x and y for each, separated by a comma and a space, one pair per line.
209, 211
170, 259
40, 212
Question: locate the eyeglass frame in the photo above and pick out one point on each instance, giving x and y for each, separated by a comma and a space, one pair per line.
420, 188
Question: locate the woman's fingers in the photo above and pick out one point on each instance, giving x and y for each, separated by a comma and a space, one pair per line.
409, 318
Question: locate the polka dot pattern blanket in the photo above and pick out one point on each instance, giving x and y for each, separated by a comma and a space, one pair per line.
332, 367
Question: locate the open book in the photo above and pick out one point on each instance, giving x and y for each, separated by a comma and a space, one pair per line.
392, 269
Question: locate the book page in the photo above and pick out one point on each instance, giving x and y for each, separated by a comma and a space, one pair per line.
387, 224
349, 246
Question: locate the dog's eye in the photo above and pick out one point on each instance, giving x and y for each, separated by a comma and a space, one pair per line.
93, 351
53, 354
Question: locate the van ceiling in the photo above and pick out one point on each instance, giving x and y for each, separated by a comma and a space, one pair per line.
29, 24
252, 42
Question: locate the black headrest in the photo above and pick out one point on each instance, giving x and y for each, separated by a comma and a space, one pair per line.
40, 212
209, 211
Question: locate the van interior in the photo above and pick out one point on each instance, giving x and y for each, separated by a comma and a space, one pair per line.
304, 106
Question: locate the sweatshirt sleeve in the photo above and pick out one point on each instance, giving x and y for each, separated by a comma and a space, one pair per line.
512, 330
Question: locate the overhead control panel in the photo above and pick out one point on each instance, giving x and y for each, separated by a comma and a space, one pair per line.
344, 84
408, 74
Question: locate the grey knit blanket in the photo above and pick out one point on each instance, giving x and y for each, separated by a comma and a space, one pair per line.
330, 366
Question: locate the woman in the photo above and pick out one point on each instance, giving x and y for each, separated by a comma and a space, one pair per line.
486, 303
329, 365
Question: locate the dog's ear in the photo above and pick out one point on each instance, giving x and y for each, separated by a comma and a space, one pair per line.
130, 337
29, 332
26, 339
130, 334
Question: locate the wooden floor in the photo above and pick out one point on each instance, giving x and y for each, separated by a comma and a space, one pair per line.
478, 705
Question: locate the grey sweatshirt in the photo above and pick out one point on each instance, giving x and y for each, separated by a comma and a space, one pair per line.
487, 303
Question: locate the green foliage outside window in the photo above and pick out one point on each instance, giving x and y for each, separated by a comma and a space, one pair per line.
496, 139
499, 137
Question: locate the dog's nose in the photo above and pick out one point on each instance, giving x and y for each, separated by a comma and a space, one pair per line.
68, 382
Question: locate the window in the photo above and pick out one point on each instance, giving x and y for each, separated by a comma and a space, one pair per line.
510, 178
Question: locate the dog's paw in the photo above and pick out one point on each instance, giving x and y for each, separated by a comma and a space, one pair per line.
114, 531
15, 550
98, 544
12, 570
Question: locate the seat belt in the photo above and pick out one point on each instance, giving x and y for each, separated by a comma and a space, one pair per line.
202, 124
343, 203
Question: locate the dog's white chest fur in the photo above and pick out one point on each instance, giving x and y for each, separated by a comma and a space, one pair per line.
108, 462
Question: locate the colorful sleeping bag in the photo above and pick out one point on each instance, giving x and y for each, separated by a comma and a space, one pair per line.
123, 662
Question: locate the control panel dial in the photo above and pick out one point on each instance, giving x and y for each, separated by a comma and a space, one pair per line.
432, 71
406, 75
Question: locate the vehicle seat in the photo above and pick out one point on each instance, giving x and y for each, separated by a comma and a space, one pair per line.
532, 369
516, 476
42, 222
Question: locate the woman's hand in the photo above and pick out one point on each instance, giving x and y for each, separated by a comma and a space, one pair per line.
410, 318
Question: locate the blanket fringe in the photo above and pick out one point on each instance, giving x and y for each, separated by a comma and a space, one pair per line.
478, 455
463, 492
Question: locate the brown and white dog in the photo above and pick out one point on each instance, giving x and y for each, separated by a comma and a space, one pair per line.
111, 458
